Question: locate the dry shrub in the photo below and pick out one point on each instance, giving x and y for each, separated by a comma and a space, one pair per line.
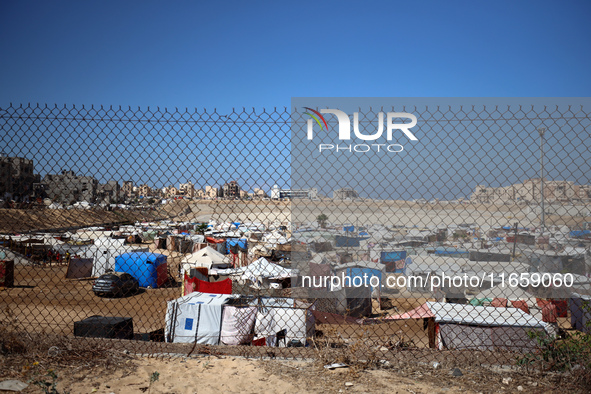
10, 339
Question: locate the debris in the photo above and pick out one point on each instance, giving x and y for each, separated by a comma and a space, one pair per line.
507, 380
53, 351
519, 388
348, 384
13, 385
456, 372
336, 365
436, 365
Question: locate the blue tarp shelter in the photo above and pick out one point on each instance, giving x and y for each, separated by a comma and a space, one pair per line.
148, 268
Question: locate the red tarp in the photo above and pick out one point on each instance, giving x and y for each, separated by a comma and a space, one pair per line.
520, 305
214, 240
194, 284
549, 313
561, 307
499, 303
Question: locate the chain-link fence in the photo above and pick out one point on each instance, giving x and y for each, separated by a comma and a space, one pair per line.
363, 234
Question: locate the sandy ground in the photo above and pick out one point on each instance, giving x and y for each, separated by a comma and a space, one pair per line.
121, 374
238, 375
23, 220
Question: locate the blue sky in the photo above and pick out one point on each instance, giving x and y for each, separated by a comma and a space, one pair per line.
260, 54
191, 54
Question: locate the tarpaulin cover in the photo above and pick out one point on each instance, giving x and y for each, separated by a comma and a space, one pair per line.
549, 313
196, 317
580, 314
237, 325
482, 315
196, 285
342, 241
212, 240
237, 243
499, 302
561, 307
297, 323
520, 305
457, 336
393, 255
579, 233
148, 268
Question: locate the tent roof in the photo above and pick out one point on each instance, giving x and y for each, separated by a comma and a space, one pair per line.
203, 298
262, 268
421, 312
472, 315
206, 255
482, 315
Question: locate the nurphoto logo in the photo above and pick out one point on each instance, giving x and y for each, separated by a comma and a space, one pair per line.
345, 130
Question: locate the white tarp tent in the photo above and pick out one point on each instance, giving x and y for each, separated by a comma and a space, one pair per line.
206, 257
104, 251
485, 328
196, 317
286, 317
260, 270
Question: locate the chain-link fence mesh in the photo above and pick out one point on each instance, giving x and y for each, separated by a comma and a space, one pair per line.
272, 233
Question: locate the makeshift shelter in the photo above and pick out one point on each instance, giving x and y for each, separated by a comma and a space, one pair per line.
261, 271
206, 257
284, 319
104, 252
150, 269
196, 317
458, 326
394, 260
238, 324
580, 312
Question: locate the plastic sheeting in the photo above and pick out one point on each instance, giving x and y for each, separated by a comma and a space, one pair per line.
237, 325
196, 285
196, 317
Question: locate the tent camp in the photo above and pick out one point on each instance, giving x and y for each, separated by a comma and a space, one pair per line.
213, 318
196, 317
457, 326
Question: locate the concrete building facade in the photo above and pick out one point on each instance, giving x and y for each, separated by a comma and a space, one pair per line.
346, 193
293, 194
67, 187
530, 192
17, 178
